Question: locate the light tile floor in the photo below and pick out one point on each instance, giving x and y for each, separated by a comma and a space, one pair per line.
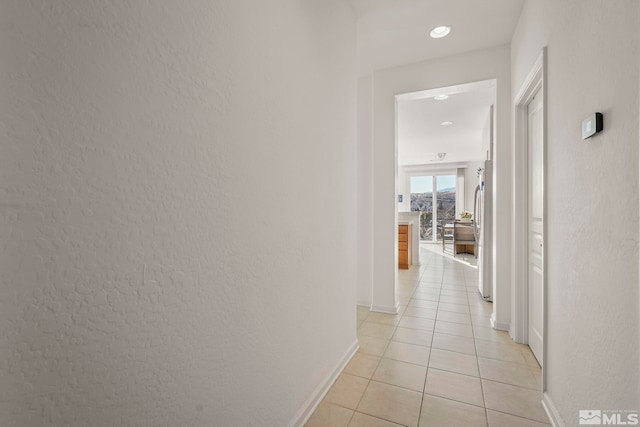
437, 362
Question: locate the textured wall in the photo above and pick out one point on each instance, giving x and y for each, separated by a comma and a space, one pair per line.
592, 195
177, 220
365, 191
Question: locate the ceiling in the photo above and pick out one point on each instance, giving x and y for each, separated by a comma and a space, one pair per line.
396, 32
421, 135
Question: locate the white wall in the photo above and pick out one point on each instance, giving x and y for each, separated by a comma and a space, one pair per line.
592, 198
365, 191
152, 155
471, 173
486, 64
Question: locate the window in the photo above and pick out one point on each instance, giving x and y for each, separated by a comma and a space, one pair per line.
423, 200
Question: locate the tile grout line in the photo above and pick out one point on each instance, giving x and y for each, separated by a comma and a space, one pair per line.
424, 387
473, 333
484, 403
414, 288
424, 384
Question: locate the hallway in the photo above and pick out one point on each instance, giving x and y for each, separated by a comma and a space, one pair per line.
438, 362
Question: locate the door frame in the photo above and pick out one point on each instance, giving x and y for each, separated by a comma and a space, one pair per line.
533, 84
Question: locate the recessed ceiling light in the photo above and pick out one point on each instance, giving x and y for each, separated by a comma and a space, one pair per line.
440, 32
440, 97
446, 123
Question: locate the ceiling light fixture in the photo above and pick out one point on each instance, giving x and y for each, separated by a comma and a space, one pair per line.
440, 32
446, 123
441, 97
440, 157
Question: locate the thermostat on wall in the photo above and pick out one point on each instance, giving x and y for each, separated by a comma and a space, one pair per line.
591, 125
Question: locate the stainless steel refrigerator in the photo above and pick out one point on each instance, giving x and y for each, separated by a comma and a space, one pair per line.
482, 212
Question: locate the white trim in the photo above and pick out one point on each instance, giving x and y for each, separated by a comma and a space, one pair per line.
497, 325
364, 304
534, 83
552, 411
383, 309
436, 169
310, 405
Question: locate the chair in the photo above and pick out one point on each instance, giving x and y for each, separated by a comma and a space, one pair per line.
448, 236
463, 236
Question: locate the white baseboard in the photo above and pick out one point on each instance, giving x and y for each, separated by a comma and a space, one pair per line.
552, 411
364, 304
384, 309
304, 413
499, 326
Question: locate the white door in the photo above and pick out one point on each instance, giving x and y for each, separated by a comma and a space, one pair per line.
535, 222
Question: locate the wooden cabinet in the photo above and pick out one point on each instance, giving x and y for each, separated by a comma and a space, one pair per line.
463, 238
404, 246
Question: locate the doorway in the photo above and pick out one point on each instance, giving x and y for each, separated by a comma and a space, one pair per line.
444, 136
